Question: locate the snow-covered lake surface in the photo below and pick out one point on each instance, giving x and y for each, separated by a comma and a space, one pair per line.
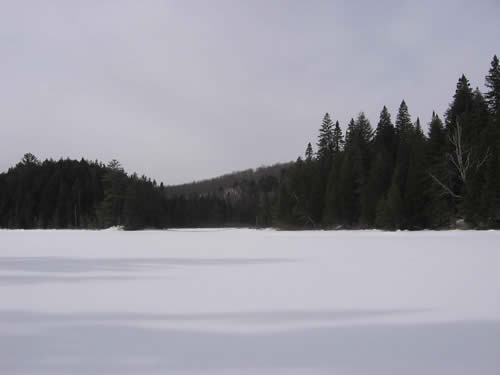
249, 302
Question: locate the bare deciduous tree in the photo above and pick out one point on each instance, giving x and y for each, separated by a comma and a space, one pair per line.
463, 160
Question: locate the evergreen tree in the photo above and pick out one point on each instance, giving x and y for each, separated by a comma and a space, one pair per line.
29, 160
492, 82
309, 152
479, 118
480, 145
404, 125
110, 212
350, 133
359, 131
353, 172
380, 174
337, 139
395, 177
436, 146
332, 203
491, 195
415, 197
404, 133
325, 139
350, 183
461, 104
439, 209
385, 133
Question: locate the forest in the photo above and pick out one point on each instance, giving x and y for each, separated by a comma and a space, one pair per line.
394, 176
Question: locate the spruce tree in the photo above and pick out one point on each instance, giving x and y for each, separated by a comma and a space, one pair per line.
114, 182
337, 139
404, 133
325, 139
436, 146
461, 104
350, 183
480, 144
380, 174
492, 82
403, 121
309, 152
361, 134
492, 184
385, 144
385, 133
415, 197
331, 214
324, 157
439, 209
350, 132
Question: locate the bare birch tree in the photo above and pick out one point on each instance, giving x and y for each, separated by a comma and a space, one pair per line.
463, 159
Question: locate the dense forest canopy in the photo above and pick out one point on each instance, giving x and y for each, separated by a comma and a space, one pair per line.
393, 176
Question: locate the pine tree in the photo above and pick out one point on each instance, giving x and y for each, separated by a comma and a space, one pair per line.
436, 146
350, 133
379, 177
440, 207
461, 104
111, 209
492, 82
418, 128
385, 133
491, 194
29, 160
385, 144
403, 121
331, 202
325, 139
359, 131
480, 144
415, 197
337, 139
309, 152
404, 133
350, 183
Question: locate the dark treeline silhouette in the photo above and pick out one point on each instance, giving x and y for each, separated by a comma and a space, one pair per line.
395, 176
82, 194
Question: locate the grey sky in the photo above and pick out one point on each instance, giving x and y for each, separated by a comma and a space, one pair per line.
184, 90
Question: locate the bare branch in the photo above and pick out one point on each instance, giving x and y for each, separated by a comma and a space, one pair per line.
446, 189
485, 158
463, 160
305, 217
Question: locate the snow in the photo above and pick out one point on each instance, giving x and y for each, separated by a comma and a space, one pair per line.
241, 301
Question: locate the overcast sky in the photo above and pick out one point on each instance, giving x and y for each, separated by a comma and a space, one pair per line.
185, 90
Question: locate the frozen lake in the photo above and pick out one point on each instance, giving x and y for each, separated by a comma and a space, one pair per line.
249, 302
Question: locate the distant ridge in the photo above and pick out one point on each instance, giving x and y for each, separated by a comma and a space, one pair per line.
228, 180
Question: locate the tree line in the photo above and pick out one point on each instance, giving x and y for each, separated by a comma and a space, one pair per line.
395, 176
88, 194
